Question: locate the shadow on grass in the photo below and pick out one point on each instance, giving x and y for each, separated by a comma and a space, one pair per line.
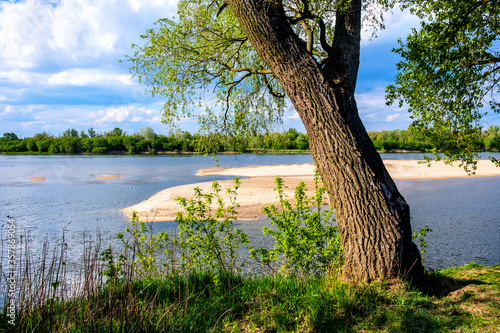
435, 284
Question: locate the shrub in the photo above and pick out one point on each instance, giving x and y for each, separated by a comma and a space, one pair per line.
306, 241
207, 238
99, 150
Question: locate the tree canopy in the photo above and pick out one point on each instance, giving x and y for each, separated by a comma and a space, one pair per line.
450, 71
202, 59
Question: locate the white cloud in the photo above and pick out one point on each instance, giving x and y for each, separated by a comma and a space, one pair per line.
398, 24
23, 27
16, 76
392, 117
34, 34
376, 114
114, 115
293, 115
126, 113
48, 49
155, 120
89, 77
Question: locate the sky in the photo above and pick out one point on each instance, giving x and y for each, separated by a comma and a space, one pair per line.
60, 69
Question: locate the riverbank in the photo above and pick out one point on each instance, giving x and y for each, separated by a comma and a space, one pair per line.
258, 189
459, 299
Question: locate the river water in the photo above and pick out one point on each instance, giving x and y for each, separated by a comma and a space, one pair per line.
464, 213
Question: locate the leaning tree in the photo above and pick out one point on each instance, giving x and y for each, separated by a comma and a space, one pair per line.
246, 60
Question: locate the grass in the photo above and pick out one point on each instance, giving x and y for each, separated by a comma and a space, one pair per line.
225, 302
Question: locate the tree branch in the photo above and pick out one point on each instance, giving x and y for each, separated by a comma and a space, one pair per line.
322, 36
251, 71
270, 88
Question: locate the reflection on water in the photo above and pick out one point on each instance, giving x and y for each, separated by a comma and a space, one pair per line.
463, 213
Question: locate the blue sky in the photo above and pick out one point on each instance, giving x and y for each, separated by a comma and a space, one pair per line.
59, 68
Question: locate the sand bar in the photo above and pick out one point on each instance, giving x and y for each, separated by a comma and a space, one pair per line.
103, 177
258, 190
37, 179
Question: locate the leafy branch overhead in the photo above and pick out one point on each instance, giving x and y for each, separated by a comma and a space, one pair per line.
202, 59
450, 72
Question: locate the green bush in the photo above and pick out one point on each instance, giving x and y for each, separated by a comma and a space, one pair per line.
207, 238
99, 150
306, 240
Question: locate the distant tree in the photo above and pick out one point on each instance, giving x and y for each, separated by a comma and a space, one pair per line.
302, 141
92, 132
41, 136
115, 142
31, 145
9, 136
116, 132
147, 133
180, 135
492, 138
70, 133
83, 135
130, 143
69, 145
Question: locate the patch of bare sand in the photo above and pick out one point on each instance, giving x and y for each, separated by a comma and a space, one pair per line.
37, 179
104, 177
252, 195
258, 190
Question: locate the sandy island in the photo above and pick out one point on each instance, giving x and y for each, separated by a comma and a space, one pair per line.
258, 190
102, 177
37, 179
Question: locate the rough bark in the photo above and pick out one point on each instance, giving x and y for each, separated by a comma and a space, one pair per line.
373, 217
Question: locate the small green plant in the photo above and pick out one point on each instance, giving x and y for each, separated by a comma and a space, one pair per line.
207, 239
113, 270
146, 248
306, 239
422, 242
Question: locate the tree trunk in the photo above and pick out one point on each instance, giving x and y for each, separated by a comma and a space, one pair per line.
372, 216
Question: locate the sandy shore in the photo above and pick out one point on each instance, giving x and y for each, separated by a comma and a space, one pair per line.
258, 190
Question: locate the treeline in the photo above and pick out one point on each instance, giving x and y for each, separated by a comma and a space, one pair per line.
408, 140
147, 141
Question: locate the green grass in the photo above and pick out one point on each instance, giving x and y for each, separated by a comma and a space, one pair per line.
467, 301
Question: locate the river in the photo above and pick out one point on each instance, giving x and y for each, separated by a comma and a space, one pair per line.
463, 213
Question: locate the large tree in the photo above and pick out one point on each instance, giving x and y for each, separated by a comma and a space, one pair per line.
450, 72
254, 53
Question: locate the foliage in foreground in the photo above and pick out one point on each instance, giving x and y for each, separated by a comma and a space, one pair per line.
191, 281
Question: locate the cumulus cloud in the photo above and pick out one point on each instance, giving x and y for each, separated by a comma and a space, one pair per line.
392, 117
50, 46
34, 33
31, 119
15, 76
376, 114
128, 113
89, 77
398, 24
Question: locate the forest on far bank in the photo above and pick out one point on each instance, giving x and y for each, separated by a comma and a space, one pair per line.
147, 141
